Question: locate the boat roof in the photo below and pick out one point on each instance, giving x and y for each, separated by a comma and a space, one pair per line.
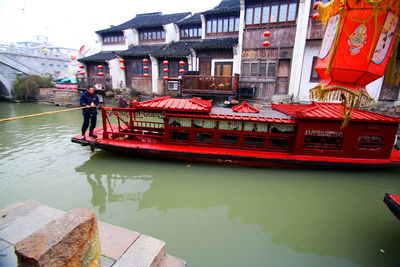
332, 111
170, 104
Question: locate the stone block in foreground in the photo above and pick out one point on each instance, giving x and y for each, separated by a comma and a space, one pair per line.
70, 240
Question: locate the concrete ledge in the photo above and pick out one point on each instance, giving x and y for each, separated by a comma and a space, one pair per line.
145, 252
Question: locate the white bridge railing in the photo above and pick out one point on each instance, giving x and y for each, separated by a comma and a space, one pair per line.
39, 52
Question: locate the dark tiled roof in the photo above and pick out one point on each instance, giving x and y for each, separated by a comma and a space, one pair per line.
146, 21
140, 50
223, 43
228, 7
178, 49
99, 57
192, 20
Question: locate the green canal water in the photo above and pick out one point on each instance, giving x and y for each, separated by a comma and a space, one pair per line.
209, 215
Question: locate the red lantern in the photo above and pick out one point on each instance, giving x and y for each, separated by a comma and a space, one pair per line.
165, 62
72, 57
146, 67
82, 73
166, 78
316, 5
122, 60
146, 75
81, 66
267, 33
123, 67
266, 43
100, 74
165, 70
182, 63
100, 67
315, 16
181, 71
145, 60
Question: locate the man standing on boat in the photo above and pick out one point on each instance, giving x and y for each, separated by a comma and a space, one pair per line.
89, 100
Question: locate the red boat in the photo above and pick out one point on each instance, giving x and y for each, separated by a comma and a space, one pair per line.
393, 203
284, 136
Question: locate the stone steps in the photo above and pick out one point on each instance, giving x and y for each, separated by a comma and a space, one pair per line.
119, 246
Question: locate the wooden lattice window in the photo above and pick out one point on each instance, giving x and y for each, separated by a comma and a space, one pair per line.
372, 142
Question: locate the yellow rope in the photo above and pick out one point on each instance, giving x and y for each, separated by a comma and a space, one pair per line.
40, 114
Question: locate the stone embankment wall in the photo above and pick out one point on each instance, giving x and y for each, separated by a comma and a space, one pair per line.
33, 234
59, 97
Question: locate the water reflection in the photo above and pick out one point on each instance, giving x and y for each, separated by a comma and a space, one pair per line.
118, 187
311, 212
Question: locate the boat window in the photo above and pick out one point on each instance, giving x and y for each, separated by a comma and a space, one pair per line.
230, 125
255, 127
179, 136
179, 122
277, 143
319, 139
229, 139
282, 128
209, 124
254, 141
204, 137
372, 142
148, 116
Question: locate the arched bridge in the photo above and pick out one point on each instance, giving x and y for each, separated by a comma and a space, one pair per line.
16, 61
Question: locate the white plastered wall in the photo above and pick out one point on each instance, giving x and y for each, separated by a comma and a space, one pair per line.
117, 74
303, 93
171, 33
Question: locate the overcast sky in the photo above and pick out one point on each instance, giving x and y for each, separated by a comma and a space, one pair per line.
72, 23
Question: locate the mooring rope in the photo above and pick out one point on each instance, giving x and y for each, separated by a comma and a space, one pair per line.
41, 114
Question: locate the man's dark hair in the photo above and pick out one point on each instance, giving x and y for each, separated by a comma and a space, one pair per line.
89, 86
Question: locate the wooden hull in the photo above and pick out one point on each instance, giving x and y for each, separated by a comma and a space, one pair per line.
393, 203
233, 156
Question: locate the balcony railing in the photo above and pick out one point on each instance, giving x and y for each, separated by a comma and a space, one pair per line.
207, 84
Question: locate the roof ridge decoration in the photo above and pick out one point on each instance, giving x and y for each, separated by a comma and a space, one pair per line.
245, 107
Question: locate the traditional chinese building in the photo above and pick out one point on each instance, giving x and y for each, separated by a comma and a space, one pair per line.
221, 53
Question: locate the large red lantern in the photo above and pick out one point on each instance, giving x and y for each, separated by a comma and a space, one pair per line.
123, 67
146, 67
145, 61
165, 78
181, 71
146, 75
100, 67
166, 70
358, 41
165, 62
100, 74
122, 60
182, 63
81, 66
82, 73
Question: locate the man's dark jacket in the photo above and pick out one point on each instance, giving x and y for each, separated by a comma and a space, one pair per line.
87, 100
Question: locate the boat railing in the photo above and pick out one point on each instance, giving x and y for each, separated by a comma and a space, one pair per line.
119, 123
